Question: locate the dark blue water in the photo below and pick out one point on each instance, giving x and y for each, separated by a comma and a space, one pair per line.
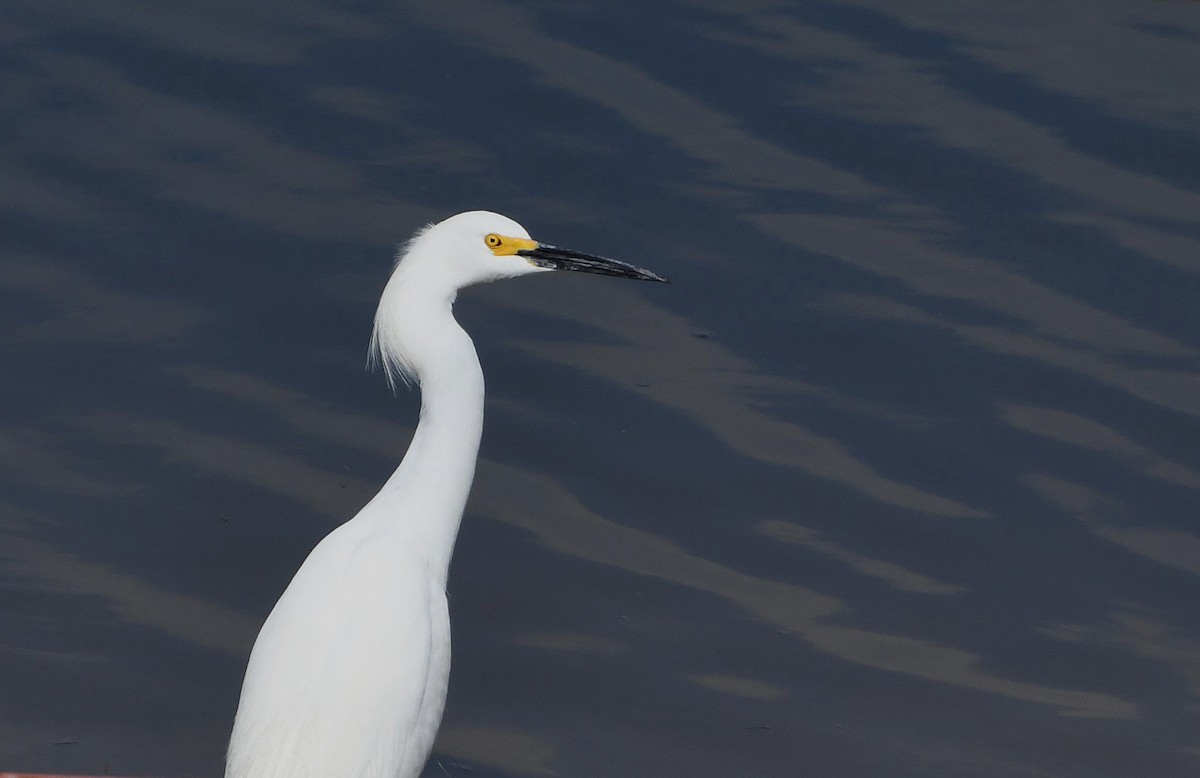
899, 477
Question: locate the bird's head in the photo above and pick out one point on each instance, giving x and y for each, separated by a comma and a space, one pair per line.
469, 248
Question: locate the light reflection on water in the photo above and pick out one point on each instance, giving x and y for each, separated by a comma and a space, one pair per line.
898, 476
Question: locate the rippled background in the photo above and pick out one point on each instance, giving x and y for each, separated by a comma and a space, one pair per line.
899, 477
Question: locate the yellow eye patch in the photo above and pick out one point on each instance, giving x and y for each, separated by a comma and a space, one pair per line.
504, 246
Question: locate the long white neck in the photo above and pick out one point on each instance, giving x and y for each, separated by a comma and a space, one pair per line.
430, 487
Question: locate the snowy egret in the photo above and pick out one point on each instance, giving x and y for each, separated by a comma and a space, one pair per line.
348, 675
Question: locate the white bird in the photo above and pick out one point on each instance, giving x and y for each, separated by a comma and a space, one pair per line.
348, 675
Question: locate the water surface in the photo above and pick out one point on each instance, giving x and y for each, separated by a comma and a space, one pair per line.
899, 476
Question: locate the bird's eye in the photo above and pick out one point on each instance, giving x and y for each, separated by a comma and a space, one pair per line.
493, 240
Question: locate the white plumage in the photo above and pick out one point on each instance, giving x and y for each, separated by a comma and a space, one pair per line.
348, 675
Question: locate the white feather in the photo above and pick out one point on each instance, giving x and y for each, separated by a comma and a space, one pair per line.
348, 676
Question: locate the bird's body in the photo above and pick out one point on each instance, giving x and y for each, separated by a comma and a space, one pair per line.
348, 676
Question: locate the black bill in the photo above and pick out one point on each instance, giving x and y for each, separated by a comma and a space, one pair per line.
564, 259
